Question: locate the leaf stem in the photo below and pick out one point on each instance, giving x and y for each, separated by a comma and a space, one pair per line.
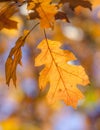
31, 30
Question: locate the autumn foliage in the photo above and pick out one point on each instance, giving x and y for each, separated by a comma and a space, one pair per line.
62, 76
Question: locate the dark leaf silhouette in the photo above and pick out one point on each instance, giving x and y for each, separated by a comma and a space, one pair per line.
62, 16
74, 3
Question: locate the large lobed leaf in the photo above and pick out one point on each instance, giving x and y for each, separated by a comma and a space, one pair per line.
63, 77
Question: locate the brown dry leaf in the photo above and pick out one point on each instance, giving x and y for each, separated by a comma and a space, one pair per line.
5, 14
62, 16
63, 77
74, 3
33, 15
44, 11
14, 59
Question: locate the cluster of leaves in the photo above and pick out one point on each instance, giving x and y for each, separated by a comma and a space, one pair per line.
63, 77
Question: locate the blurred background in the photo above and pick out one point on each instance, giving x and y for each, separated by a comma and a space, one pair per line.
25, 107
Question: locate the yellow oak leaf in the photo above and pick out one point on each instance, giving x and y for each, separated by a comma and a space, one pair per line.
5, 14
47, 15
44, 11
14, 59
63, 77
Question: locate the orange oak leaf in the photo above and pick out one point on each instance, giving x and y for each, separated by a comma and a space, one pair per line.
47, 15
14, 59
5, 14
32, 4
74, 3
44, 11
63, 77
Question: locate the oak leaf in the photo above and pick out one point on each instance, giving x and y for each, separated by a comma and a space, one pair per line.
74, 3
36, 3
44, 11
63, 77
14, 59
5, 14
47, 15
